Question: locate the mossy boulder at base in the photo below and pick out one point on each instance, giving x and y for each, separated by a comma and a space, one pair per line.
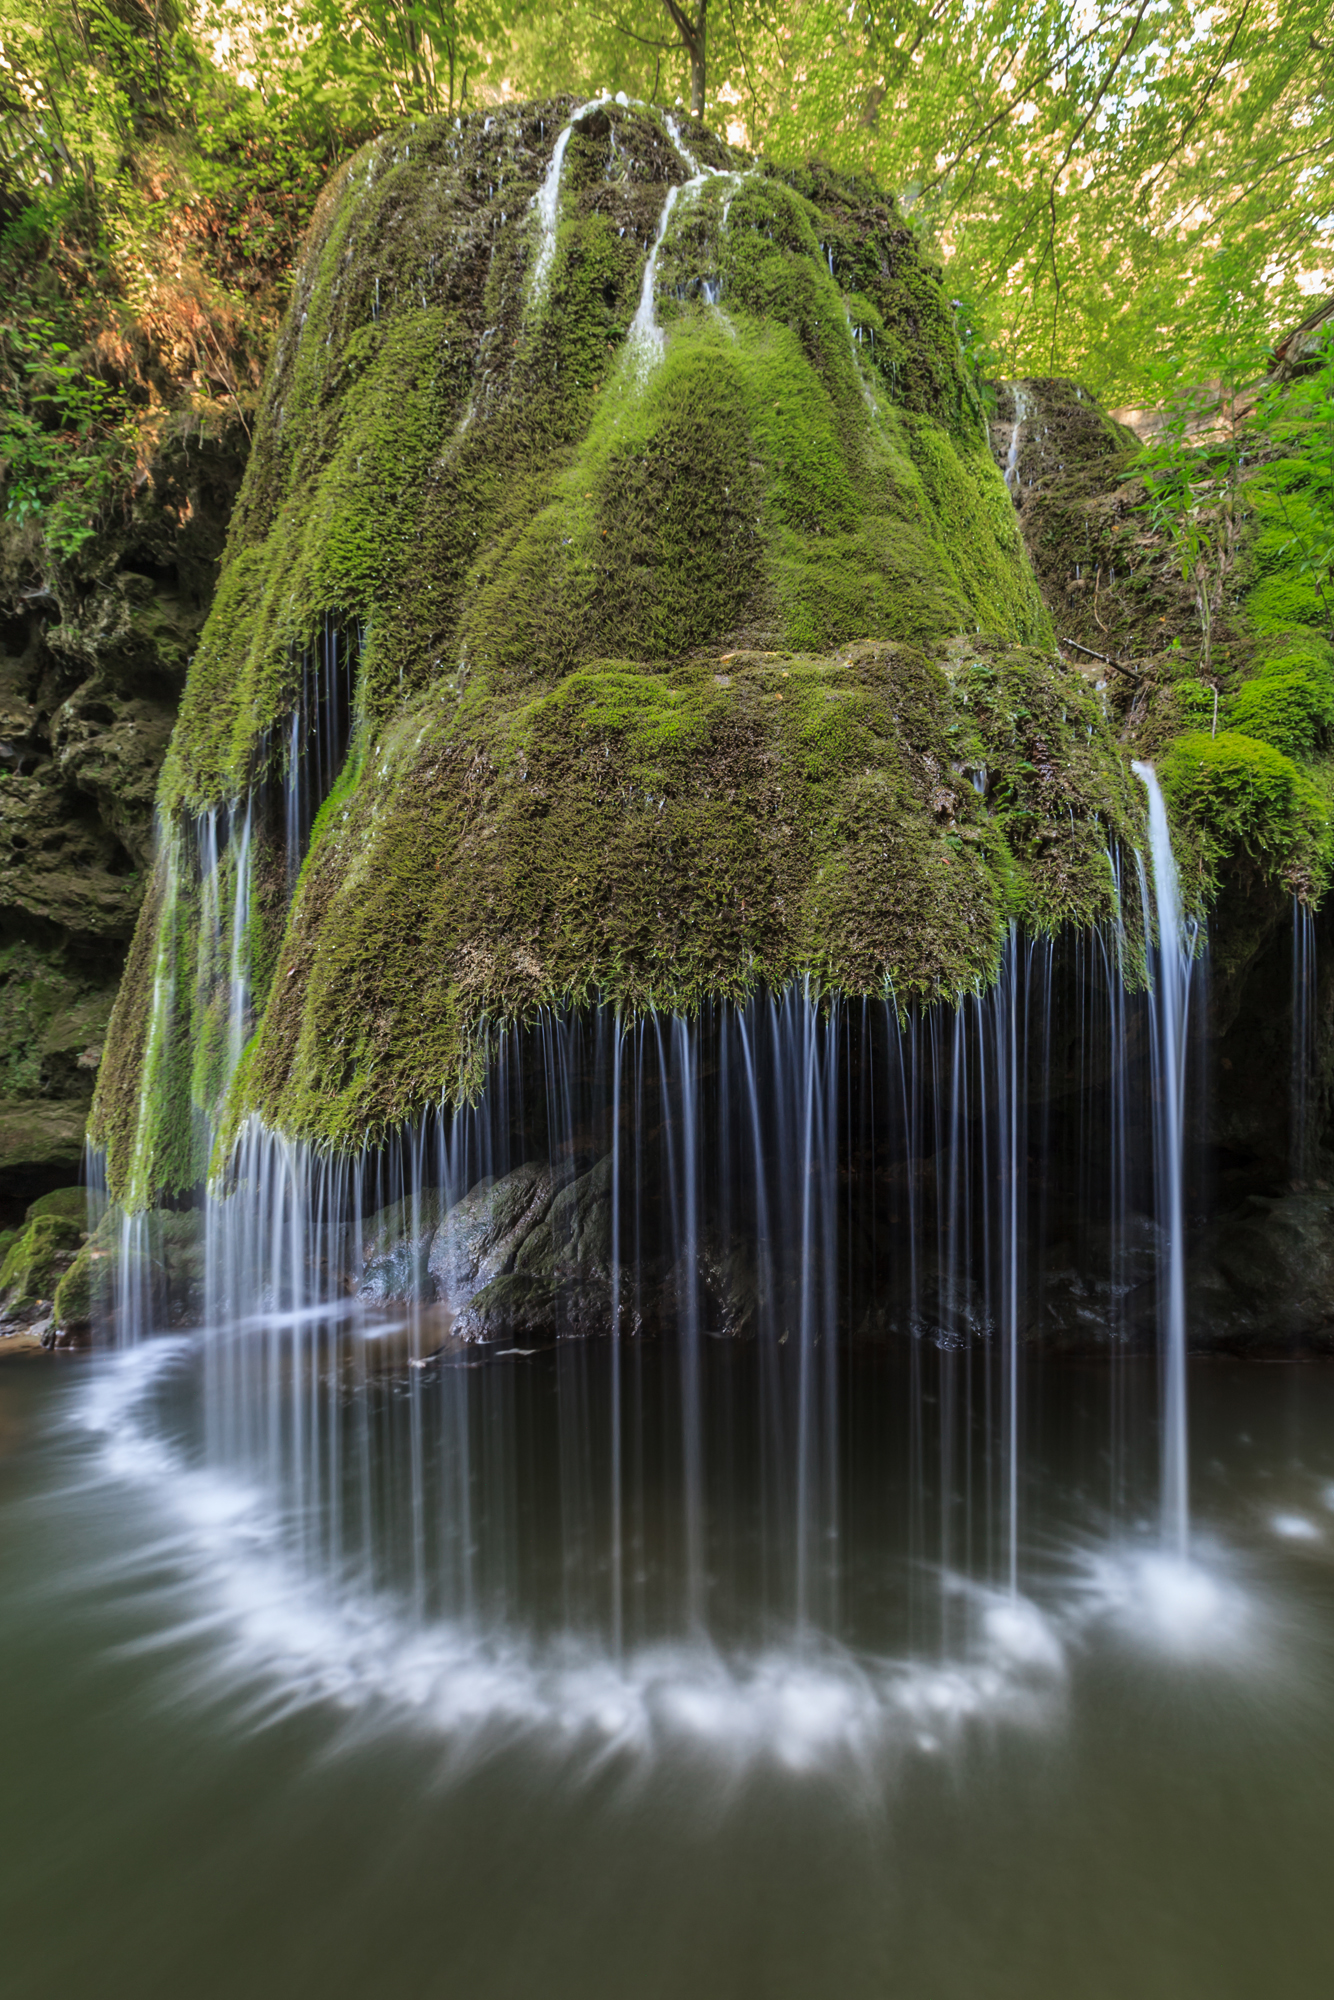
41, 1253
622, 603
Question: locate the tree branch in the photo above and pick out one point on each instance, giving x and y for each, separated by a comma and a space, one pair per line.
1199, 110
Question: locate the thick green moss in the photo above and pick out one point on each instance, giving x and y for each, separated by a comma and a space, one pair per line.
34, 1263
1290, 711
84, 1291
1242, 796
70, 1203
1262, 791
1289, 511
471, 478
657, 837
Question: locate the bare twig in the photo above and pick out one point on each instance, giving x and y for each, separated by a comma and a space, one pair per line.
1121, 666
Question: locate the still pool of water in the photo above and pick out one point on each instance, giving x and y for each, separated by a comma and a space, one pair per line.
456, 1686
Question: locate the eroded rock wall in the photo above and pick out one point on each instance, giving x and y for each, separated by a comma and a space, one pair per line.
93, 662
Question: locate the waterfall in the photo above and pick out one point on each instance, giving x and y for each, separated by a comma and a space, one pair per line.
1303, 1038
799, 1179
794, 1173
546, 203
1171, 969
740, 1204
1016, 435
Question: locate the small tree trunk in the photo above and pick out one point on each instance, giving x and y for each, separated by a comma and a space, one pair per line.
693, 30
697, 62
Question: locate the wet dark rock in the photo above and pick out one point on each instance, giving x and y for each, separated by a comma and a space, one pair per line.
396, 1248
1262, 1281
734, 1298
555, 1277
481, 1237
1099, 1294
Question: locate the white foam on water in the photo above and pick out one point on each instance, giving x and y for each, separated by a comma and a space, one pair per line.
1191, 1608
250, 1623
1295, 1528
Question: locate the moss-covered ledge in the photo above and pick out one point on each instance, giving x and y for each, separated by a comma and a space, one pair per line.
870, 821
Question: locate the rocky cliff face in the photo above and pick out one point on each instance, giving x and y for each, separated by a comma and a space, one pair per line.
93, 661
1114, 586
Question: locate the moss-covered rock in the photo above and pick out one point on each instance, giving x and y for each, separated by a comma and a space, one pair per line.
694, 644
1239, 795
83, 1293
69, 1203
147, 1270
1109, 580
1289, 701
38, 1258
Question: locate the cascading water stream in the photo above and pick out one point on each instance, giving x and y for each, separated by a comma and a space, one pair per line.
1303, 1038
1171, 963
546, 202
645, 339
1016, 438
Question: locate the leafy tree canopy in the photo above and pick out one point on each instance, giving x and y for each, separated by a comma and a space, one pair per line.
1107, 178
1136, 192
